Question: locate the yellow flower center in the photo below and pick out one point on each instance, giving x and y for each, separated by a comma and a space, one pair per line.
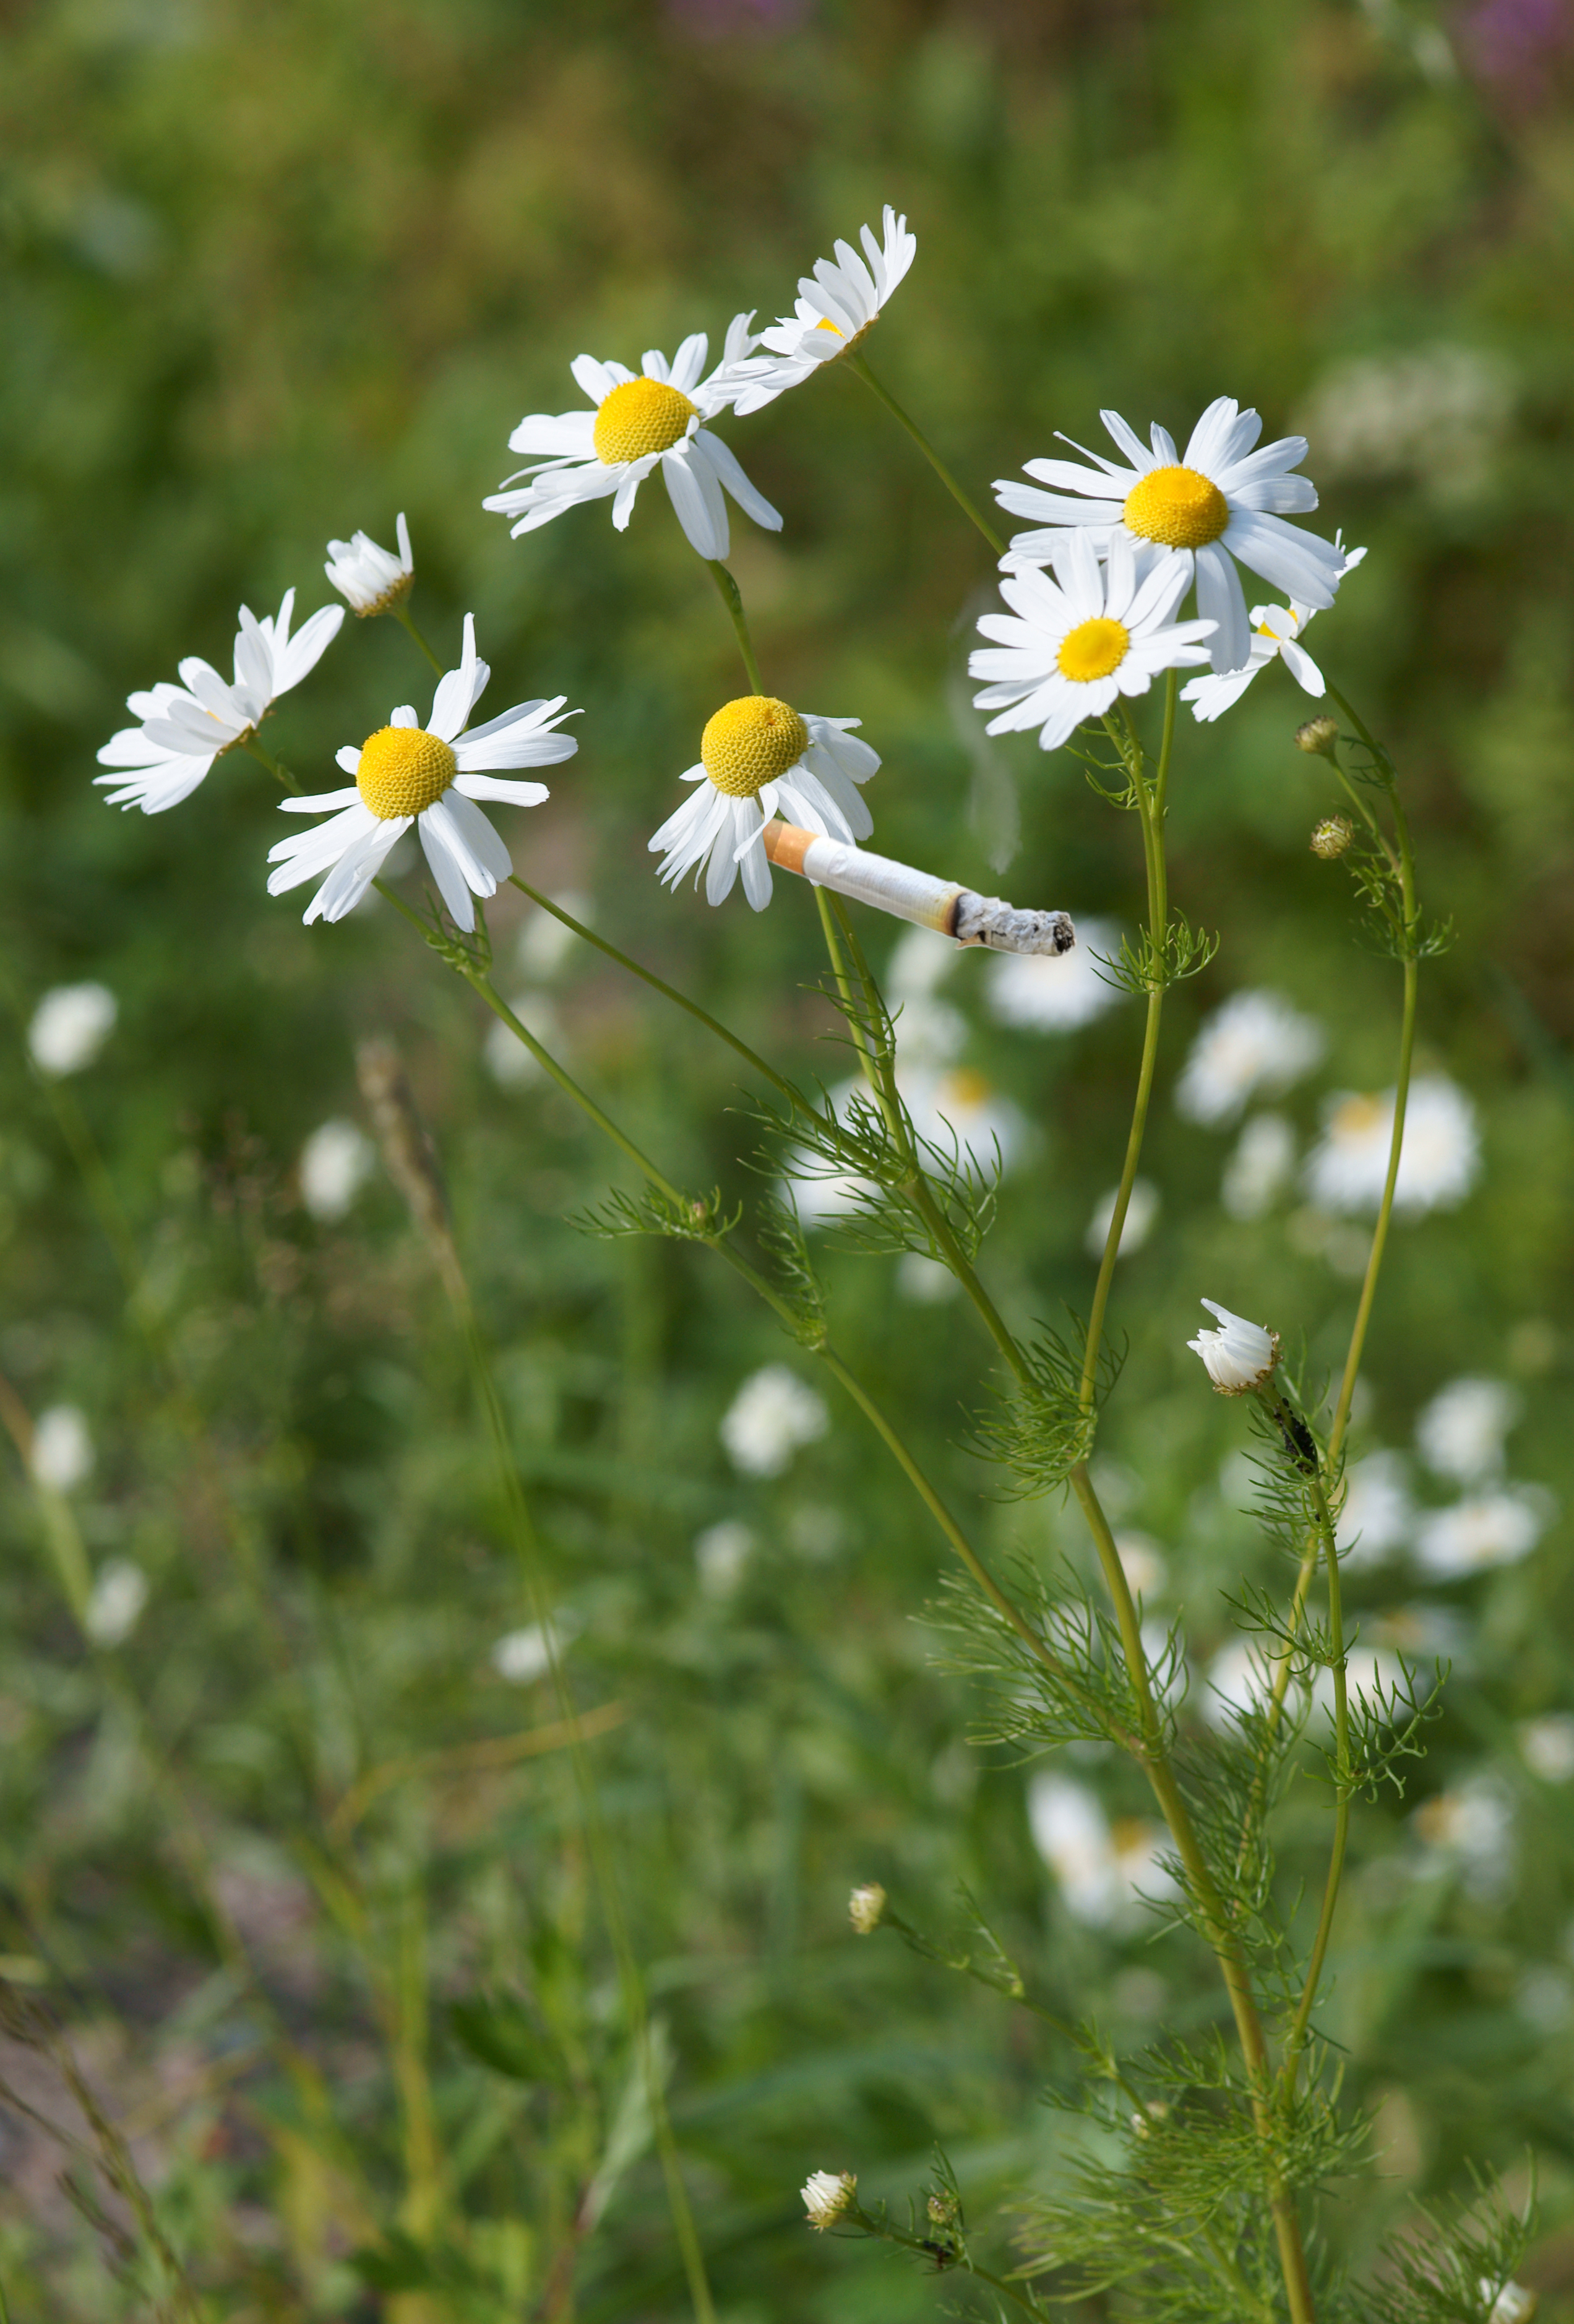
825, 324
643, 415
1178, 506
1092, 649
403, 770
966, 1089
1357, 1117
750, 743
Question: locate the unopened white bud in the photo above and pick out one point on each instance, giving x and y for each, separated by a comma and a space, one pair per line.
1514, 2304
372, 579
1239, 1356
865, 1908
827, 2195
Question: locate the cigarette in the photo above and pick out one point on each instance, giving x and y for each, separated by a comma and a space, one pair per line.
917, 895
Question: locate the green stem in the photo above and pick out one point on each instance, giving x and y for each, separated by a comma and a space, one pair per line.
256, 749
855, 362
733, 598
402, 615
1296, 2039
879, 1071
779, 1082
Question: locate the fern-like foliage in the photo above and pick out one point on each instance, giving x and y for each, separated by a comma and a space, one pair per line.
1038, 1432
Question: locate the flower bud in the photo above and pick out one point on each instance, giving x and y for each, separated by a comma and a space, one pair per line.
943, 2207
865, 1908
1239, 1356
1332, 836
1317, 735
1513, 2305
827, 2195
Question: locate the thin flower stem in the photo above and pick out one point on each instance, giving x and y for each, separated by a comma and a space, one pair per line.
670, 992
857, 362
1222, 1939
881, 1078
1297, 2041
255, 749
528, 1553
733, 598
998, 1597
402, 615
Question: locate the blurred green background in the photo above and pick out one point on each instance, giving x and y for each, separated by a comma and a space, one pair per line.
271, 274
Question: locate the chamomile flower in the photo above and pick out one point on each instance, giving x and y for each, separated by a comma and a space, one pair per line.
837, 306
1275, 633
1223, 502
1439, 1164
372, 579
759, 758
639, 419
185, 728
431, 776
1072, 646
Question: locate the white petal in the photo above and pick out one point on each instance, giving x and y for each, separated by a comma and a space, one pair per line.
1219, 598
696, 499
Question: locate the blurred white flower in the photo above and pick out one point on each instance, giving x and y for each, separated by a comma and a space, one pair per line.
930, 1033
1470, 1828
70, 1027
1371, 1671
837, 306
1103, 1871
826, 2195
335, 1164
1439, 413
372, 579
961, 1107
116, 1602
721, 1553
1514, 2304
544, 942
525, 1654
1378, 1516
1440, 1160
1422, 1632
924, 1280
1547, 1747
1142, 1562
1256, 1041
1260, 1168
1275, 633
1493, 1527
771, 1415
920, 959
185, 728
1141, 1217
1239, 1355
510, 1065
62, 1448
1238, 1676
1054, 992
865, 1908
1461, 1433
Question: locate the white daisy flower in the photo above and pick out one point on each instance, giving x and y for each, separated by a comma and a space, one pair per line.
372, 579
185, 727
1255, 1041
431, 776
1438, 1167
1142, 1210
1276, 632
335, 1163
1378, 1514
1222, 501
1260, 1168
115, 1603
1104, 1873
826, 2195
837, 306
1071, 647
761, 758
61, 1456
640, 418
1239, 1356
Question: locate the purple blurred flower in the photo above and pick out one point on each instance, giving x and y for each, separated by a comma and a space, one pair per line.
1514, 41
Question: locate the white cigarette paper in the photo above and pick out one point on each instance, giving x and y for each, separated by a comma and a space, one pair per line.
918, 896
